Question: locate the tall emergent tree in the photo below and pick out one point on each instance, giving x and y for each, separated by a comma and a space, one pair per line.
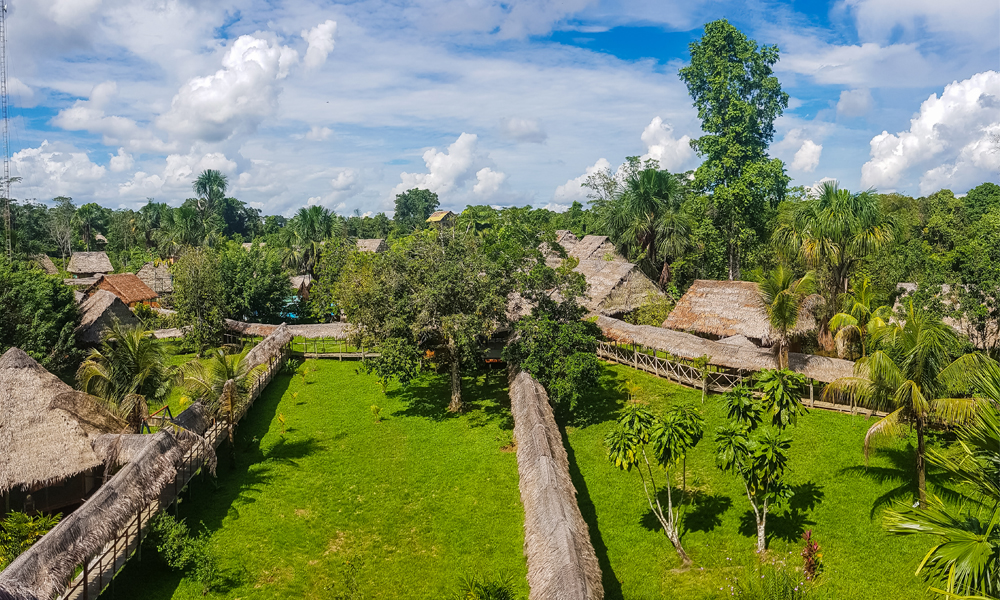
412, 209
254, 285
738, 98
198, 296
909, 375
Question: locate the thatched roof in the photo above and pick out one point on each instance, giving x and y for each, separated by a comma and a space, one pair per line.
441, 216
372, 245
43, 571
100, 238
45, 426
593, 247
738, 340
301, 283
311, 331
269, 346
127, 286
615, 287
45, 263
728, 308
89, 262
98, 312
80, 282
731, 356
561, 560
157, 277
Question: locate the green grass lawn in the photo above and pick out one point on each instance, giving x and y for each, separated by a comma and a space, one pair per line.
835, 496
424, 497
413, 502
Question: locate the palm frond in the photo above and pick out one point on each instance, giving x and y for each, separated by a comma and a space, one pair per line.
885, 428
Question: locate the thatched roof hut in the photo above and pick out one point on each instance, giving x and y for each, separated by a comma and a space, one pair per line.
80, 282
158, 277
561, 560
719, 309
88, 264
442, 217
731, 356
311, 331
268, 347
615, 287
127, 286
98, 312
43, 571
46, 427
43, 262
372, 245
301, 284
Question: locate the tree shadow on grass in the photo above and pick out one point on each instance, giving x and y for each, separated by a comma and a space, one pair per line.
484, 396
600, 403
901, 474
787, 523
706, 512
612, 587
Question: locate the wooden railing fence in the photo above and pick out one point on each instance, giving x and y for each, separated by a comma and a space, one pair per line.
96, 574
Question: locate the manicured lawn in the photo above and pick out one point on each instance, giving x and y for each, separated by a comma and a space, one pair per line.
835, 495
412, 503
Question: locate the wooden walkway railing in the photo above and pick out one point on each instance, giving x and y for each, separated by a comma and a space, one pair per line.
96, 574
705, 379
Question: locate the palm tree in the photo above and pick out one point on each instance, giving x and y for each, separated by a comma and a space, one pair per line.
836, 229
967, 555
127, 373
223, 383
308, 230
88, 217
210, 186
908, 375
861, 313
151, 218
644, 220
781, 296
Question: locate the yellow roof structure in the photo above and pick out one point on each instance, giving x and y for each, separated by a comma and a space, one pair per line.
441, 216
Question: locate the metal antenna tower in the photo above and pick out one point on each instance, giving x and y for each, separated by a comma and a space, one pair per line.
6, 128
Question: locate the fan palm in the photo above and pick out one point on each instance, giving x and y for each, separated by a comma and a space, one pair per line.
88, 217
837, 229
645, 221
967, 556
308, 230
223, 383
908, 376
782, 296
861, 313
126, 373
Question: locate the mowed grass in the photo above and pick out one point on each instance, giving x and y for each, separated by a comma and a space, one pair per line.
835, 496
403, 508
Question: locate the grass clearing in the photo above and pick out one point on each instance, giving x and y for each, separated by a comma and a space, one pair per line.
835, 495
404, 507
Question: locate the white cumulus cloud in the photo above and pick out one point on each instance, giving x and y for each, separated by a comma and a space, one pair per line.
855, 103
807, 157
320, 39
89, 115
573, 189
488, 182
237, 97
445, 170
949, 139
673, 154
122, 161
54, 170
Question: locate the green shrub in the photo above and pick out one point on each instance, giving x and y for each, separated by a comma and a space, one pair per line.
185, 552
480, 587
19, 531
768, 582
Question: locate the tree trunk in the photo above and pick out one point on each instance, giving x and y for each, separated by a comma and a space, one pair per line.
734, 261
921, 467
761, 535
456, 380
670, 527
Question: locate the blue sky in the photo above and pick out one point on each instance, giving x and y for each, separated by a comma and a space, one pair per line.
482, 101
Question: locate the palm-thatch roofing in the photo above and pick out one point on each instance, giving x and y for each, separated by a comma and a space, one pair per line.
269, 347
127, 286
732, 356
98, 313
45, 263
89, 263
44, 569
157, 276
100, 238
615, 287
46, 427
728, 308
441, 216
80, 282
301, 283
594, 247
310, 331
372, 245
561, 560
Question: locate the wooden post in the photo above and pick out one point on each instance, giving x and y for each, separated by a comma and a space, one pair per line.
812, 401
